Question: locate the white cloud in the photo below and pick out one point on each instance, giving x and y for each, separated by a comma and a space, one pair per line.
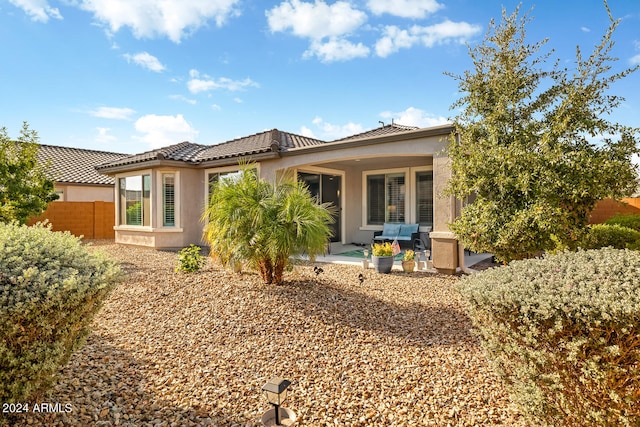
326, 26
336, 50
205, 83
414, 117
416, 9
145, 60
103, 135
161, 131
394, 38
315, 20
183, 99
38, 10
585, 29
635, 60
305, 131
329, 131
113, 113
174, 19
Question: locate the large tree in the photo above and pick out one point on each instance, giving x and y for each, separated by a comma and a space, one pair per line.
25, 189
534, 149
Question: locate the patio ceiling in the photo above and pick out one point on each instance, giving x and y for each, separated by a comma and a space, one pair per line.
378, 163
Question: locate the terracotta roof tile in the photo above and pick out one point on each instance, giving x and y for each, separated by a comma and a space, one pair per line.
76, 165
383, 130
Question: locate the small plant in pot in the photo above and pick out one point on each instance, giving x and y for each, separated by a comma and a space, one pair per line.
382, 257
408, 261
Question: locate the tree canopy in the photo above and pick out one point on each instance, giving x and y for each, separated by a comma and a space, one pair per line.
25, 189
534, 149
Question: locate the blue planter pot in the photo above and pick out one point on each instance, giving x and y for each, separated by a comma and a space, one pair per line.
382, 264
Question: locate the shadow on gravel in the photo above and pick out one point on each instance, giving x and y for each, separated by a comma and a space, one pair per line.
415, 323
105, 386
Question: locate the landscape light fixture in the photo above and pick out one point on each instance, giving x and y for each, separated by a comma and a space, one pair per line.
275, 390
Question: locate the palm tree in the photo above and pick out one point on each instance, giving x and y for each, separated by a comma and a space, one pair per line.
262, 225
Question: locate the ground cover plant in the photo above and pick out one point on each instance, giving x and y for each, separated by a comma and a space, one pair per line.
50, 289
564, 334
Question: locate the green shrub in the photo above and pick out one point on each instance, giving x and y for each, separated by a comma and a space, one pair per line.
603, 235
564, 334
50, 288
625, 220
190, 260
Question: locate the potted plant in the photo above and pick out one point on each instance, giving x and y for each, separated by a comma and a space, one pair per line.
408, 261
382, 257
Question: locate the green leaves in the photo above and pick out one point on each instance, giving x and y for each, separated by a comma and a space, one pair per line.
25, 189
263, 224
527, 153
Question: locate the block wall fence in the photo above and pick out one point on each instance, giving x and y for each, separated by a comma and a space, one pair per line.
93, 220
608, 208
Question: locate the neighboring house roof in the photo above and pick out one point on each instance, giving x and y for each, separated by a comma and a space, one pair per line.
271, 141
76, 165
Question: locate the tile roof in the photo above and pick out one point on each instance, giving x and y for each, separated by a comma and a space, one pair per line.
76, 165
268, 141
383, 130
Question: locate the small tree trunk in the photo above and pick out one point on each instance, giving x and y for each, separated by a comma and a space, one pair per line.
278, 270
266, 270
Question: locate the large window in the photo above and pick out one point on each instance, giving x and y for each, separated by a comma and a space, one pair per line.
135, 206
168, 200
385, 198
398, 195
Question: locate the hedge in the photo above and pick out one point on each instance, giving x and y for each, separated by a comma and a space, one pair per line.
564, 334
50, 288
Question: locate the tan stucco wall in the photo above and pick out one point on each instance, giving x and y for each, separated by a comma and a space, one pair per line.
85, 193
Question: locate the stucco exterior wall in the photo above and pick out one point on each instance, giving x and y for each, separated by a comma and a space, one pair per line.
85, 193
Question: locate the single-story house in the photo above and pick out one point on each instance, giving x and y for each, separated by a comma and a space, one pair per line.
74, 173
391, 174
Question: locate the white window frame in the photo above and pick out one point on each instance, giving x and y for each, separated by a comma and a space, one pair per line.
410, 198
160, 197
224, 169
119, 225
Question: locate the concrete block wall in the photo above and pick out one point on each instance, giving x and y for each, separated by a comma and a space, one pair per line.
93, 220
608, 208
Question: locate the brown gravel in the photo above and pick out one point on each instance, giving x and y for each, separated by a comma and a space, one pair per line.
175, 349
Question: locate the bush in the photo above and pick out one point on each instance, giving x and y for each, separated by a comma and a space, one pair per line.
190, 260
50, 288
564, 334
603, 235
631, 221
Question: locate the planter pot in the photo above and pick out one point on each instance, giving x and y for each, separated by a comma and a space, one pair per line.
408, 266
382, 264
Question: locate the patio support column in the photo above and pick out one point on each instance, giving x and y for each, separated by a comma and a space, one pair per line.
444, 244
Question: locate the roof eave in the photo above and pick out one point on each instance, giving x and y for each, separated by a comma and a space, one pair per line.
234, 160
152, 163
442, 130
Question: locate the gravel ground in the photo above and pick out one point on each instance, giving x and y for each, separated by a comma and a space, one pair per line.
175, 349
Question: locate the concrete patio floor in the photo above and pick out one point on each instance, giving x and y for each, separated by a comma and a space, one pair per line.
334, 257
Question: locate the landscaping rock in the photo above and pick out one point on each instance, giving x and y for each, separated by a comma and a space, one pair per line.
177, 349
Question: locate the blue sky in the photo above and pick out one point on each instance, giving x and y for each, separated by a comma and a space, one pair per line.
128, 76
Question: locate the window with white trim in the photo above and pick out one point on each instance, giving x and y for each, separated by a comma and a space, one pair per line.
135, 200
168, 200
386, 198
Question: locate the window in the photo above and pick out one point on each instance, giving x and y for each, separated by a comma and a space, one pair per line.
214, 177
385, 198
168, 200
135, 206
424, 198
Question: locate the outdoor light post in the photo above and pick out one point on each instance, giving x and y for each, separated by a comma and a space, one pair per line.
365, 261
275, 391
